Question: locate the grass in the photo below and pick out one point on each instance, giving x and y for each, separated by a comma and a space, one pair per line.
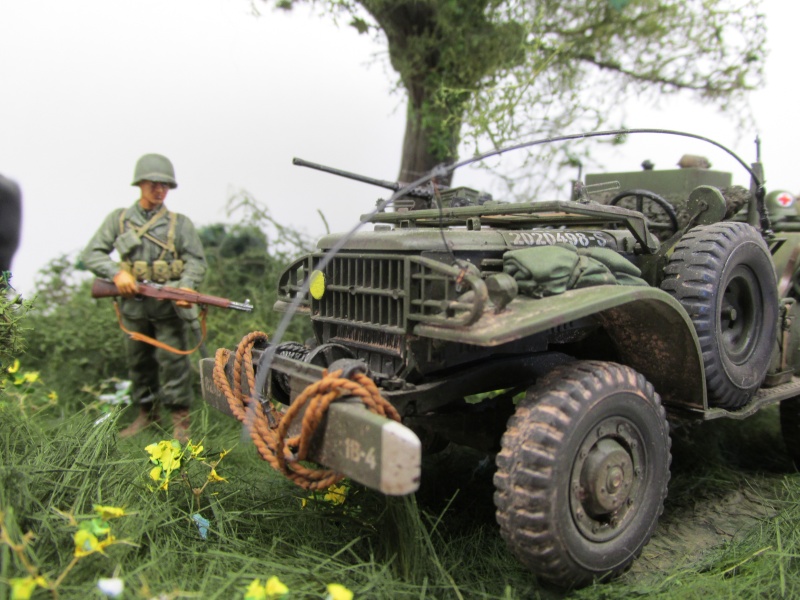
731, 526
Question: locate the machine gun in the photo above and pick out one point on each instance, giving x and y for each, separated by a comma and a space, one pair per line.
425, 192
420, 197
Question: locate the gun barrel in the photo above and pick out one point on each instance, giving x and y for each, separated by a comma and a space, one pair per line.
389, 185
243, 306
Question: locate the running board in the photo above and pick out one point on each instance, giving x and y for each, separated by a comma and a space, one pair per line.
763, 398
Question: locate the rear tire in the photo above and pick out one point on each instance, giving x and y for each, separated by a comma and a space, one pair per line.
723, 276
583, 472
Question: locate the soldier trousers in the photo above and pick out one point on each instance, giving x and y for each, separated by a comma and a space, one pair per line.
156, 374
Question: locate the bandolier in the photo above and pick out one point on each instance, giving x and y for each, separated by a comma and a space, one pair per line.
160, 270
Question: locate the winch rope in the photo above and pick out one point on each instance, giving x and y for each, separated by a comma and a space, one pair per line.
269, 428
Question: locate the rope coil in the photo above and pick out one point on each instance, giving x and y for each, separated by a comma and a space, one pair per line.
269, 429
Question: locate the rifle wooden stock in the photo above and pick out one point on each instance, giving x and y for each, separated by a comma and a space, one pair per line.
102, 288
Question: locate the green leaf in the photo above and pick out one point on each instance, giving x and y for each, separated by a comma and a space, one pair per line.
360, 24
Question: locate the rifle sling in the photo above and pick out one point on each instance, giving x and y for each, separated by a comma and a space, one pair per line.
140, 337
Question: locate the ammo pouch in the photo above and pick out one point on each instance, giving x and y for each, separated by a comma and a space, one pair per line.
141, 270
176, 268
161, 271
127, 242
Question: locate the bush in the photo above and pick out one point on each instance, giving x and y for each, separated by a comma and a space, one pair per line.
12, 313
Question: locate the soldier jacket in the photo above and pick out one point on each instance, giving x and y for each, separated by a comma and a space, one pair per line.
169, 237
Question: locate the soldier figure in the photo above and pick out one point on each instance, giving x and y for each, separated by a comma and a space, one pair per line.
158, 245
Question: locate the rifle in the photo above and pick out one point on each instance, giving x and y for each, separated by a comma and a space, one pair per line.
102, 288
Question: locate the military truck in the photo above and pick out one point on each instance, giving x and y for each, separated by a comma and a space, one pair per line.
564, 336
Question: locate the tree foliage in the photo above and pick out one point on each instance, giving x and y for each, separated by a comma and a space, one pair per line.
493, 72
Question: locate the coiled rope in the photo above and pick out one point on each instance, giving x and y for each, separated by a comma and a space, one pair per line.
269, 429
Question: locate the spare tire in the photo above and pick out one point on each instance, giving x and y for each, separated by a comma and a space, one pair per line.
723, 276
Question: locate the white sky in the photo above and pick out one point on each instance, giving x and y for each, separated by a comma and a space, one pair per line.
90, 85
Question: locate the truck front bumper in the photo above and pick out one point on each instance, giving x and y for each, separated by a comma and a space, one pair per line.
374, 451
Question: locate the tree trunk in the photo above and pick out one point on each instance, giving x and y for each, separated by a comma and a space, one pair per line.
417, 158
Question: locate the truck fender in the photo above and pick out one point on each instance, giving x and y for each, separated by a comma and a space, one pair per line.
651, 331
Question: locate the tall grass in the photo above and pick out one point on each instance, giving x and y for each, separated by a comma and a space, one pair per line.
379, 547
441, 543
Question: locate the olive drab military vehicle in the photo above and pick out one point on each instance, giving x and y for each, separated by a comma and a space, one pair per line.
566, 336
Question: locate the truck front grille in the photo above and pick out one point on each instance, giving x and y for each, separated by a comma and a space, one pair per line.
365, 290
386, 292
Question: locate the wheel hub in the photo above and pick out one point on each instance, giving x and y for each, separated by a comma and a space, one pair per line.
738, 323
607, 475
606, 479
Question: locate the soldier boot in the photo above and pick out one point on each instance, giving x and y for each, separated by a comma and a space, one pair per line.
148, 415
180, 424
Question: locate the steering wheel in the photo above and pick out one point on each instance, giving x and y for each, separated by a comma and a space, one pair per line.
663, 204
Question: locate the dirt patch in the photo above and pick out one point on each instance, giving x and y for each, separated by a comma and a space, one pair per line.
685, 533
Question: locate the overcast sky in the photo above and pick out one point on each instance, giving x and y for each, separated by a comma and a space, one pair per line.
90, 85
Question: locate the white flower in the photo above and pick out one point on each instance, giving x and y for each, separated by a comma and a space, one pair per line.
111, 587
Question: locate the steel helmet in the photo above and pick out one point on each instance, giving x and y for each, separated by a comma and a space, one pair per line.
154, 167
781, 204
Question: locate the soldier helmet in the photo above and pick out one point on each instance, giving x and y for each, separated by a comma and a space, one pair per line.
154, 167
781, 204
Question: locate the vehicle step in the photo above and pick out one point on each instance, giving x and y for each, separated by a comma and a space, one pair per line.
764, 397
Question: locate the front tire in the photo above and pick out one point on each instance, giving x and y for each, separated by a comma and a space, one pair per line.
583, 472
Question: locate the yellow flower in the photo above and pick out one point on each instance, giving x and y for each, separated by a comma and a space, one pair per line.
275, 588
155, 473
109, 512
195, 450
52, 395
31, 377
85, 543
167, 454
106, 543
336, 495
214, 477
337, 591
15, 367
255, 591
22, 588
